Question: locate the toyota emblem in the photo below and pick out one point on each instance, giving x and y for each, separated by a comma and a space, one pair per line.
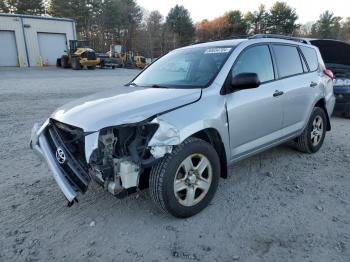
60, 156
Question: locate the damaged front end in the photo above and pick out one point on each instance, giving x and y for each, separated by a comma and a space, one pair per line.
120, 156
114, 157
62, 146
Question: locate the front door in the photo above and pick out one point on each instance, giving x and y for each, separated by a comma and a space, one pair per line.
255, 115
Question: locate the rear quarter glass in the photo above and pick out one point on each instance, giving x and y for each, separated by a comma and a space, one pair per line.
311, 57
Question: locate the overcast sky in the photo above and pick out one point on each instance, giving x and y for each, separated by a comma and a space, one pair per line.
308, 10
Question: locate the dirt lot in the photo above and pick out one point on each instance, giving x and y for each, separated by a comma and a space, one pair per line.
280, 205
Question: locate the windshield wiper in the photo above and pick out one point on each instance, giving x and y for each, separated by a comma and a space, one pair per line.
132, 84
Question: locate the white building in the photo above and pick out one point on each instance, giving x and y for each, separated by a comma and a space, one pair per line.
33, 40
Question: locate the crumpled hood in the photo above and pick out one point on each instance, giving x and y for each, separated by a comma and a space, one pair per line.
123, 105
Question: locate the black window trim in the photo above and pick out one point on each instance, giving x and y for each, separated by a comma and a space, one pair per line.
318, 62
302, 57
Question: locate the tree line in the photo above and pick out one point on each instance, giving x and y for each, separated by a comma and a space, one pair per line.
279, 19
106, 22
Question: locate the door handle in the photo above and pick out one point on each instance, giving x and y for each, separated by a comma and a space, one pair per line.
278, 93
313, 84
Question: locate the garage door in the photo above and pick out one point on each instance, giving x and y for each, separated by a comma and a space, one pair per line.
51, 46
8, 49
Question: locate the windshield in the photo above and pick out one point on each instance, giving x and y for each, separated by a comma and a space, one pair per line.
185, 68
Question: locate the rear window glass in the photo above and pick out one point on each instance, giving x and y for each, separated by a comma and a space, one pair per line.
311, 57
288, 60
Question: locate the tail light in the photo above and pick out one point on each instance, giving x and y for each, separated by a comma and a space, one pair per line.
329, 73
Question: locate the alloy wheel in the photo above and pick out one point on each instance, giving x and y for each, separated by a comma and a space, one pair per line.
193, 179
317, 130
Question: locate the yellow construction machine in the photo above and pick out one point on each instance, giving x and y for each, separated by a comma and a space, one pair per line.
127, 59
78, 56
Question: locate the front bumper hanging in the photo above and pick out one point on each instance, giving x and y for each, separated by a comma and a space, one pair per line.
40, 144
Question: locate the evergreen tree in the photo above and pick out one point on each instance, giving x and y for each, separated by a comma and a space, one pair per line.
30, 7
237, 25
257, 21
328, 26
281, 19
154, 33
179, 22
75, 9
4, 7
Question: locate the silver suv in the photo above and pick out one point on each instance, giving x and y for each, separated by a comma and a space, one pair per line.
181, 121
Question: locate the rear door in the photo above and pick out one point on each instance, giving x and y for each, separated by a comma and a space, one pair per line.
255, 115
297, 84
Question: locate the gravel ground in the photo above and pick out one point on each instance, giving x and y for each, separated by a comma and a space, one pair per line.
280, 205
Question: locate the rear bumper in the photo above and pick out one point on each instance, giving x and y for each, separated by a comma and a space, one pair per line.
40, 144
342, 107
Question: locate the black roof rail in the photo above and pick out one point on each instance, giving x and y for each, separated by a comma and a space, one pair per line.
285, 37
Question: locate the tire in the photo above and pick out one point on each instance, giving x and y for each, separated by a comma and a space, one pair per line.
91, 67
64, 61
311, 140
75, 63
58, 62
346, 114
171, 171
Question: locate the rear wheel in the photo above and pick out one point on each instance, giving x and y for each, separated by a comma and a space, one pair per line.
91, 67
311, 140
184, 182
75, 63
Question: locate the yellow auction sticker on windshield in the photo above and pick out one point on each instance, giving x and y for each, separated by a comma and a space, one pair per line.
218, 50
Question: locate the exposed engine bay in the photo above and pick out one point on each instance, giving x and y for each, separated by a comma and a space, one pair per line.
121, 157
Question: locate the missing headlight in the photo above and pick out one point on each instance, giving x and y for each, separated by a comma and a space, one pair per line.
122, 155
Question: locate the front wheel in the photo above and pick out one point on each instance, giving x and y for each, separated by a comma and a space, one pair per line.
184, 182
311, 140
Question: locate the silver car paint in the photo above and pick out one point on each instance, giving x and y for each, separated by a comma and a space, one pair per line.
123, 105
244, 133
248, 121
256, 119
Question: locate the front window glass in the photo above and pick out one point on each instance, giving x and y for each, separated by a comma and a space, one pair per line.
257, 60
185, 68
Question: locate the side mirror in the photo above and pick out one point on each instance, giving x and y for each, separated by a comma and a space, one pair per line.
245, 81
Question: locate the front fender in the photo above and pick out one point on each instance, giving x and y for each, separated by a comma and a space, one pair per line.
176, 126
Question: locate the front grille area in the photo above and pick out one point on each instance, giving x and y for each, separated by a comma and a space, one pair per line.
71, 141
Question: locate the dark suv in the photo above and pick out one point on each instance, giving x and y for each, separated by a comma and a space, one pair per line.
336, 55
